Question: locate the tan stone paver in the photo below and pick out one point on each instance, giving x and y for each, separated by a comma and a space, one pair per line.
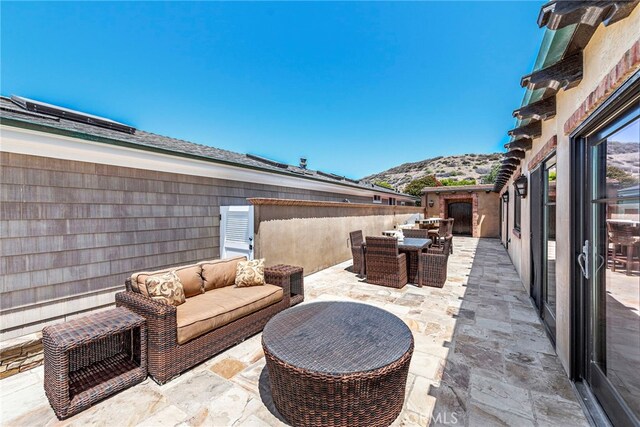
481, 358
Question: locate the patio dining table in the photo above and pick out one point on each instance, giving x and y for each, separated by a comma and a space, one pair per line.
412, 247
429, 222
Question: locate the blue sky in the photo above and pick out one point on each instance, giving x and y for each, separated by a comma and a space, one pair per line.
355, 87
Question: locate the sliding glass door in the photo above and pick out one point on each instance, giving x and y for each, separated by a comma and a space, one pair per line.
549, 245
543, 242
609, 263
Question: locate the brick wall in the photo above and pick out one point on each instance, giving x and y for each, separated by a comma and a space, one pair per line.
627, 65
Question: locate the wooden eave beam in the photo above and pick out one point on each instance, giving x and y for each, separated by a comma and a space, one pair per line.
508, 167
515, 154
559, 14
539, 110
523, 144
564, 74
513, 162
532, 130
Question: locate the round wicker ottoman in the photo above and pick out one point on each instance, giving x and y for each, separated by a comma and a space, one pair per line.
337, 364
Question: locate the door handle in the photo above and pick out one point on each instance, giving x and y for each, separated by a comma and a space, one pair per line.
581, 263
583, 259
601, 262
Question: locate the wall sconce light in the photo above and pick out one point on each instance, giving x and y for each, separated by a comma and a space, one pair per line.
505, 197
520, 185
431, 203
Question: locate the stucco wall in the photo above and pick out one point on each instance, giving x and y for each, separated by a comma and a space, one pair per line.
317, 237
606, 48
488, 214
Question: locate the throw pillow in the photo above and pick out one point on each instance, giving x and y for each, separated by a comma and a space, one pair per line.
250, 273
166, 288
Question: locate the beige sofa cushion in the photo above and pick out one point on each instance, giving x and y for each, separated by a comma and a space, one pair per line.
218, 307
190, 276
219, 273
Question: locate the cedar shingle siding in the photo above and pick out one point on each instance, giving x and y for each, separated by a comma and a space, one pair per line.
70, 230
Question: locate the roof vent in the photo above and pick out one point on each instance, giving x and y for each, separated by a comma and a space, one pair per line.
65, 113
303, 162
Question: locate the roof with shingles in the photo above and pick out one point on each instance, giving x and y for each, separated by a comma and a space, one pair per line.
14, 114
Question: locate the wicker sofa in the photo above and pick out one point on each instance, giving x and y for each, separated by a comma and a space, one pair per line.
215, 316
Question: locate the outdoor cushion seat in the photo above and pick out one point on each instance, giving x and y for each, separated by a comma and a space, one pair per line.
219, 273
214, 316
219, 307
190, 276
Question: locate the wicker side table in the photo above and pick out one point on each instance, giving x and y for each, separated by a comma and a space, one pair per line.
337, 364
296, 280
88, 359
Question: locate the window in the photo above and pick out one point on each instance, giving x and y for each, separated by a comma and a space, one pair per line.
517, 211
392, 201
377, 199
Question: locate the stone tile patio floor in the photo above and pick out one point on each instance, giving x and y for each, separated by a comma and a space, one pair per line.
481, 358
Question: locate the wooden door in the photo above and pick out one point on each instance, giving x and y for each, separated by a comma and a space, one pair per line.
236, 231
462, 213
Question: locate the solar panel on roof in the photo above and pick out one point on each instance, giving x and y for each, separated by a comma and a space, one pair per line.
65, 113
267, 161
331, 175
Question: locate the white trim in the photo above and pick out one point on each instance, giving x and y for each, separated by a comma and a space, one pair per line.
36, 143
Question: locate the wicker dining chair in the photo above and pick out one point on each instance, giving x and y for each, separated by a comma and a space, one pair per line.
627, 237
432, 268
357, 252
440, 231
449, 234
385, 265
444, 229
417, 233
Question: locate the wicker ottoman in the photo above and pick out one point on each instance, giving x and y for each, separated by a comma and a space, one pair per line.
88, 359
337, 364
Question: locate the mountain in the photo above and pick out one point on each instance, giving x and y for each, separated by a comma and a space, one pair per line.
625, 156
466, 166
